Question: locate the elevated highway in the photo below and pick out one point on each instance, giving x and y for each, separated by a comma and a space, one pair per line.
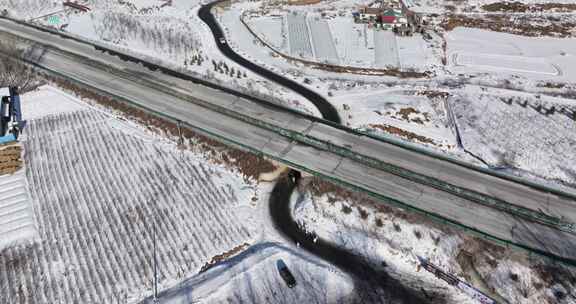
516, 213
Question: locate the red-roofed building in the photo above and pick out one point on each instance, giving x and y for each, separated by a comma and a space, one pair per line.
388, 19
390, 15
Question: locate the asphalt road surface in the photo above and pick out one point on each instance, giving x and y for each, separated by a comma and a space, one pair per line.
367, 279
178, 98
328, 111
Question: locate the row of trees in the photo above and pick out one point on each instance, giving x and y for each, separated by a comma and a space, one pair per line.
223, 68
29, 8
12, 71
165, 35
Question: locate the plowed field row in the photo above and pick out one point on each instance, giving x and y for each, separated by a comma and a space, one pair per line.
95, 193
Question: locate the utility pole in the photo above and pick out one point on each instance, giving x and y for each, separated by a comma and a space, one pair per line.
155, 260
180, 139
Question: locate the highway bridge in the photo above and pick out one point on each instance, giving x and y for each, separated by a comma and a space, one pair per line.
507, 210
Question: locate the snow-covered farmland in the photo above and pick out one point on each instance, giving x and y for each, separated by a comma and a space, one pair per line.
148, 28
542, 58
298, 35
390, 244
403, 113
323, 42
441, 6
352, 42
386, 50
16, 215
30, 8
272, 30
334, 39
391, 241
35, 107
98, 183
519, 131
417, 53
510, 64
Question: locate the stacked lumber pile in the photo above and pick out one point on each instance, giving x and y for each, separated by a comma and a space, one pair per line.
10, 158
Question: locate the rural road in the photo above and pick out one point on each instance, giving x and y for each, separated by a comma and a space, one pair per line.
279, 201
269, 130
326, 108
366, 277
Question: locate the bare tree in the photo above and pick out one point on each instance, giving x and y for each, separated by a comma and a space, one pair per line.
13, 71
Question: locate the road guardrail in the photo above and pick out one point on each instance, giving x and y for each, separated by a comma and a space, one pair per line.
345, 152
386, 139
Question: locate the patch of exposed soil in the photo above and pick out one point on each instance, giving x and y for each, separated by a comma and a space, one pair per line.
303, 2
551, 85
434, 94
10, 158
405, 114
531, 26
519, 7
402, 133
224, 256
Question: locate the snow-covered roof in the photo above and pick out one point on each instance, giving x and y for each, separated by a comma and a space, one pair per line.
393, 12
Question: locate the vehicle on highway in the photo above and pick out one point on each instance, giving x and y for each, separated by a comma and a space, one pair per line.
286, 274
222, 40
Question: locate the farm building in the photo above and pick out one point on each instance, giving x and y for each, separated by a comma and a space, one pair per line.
367, 15
392, 18
390, 15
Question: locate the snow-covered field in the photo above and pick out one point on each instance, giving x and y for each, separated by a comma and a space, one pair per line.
440, 6
97, 180
383, 240
376, 111
165, 32
16, 215
35, 105
252, 277
475, 51
352, 42
506, 129
391, 241
335, 39
504, 63
298, 35
272, 30
30, 8
417, 53
386, 50
324, 49
98, 183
